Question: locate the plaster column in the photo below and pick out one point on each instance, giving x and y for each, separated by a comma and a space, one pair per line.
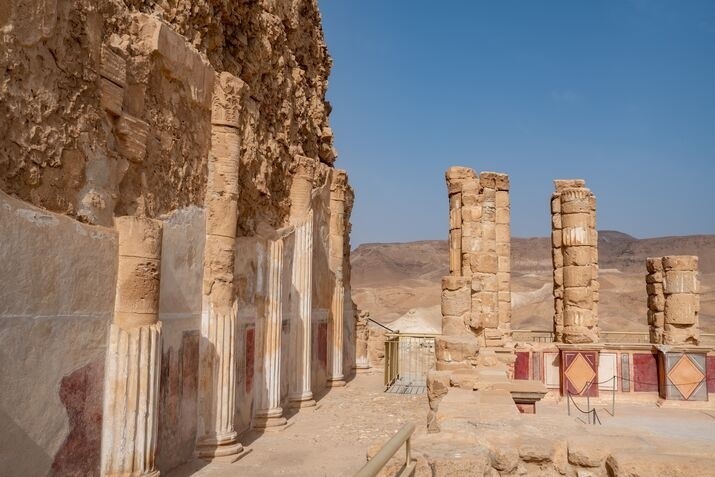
338, 184
216, 434
362, 336
269, 413
133, 363
301, 217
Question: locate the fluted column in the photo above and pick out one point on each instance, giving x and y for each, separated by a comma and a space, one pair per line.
338, 184
133, 363
362, 335
216, 434
269, 413
301, 217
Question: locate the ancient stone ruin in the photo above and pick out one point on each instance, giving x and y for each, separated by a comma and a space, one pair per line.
476, 296
673, 300
574, 241
173, 223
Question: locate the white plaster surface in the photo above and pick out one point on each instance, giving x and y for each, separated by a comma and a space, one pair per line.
56, 300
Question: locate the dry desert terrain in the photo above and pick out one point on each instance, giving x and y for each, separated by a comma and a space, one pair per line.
399, 283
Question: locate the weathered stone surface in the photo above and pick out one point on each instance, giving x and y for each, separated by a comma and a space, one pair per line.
536, 450
437, 387
588, 451
682, 309
635, 464
455, 348
681, 281
680, 262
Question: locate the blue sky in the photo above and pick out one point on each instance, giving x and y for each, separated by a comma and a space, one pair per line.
620, 93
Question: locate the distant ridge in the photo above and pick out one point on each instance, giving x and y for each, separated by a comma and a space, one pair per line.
382, 263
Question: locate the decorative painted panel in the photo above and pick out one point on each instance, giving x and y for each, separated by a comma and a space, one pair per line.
683, 377
536, 367
552, 370
645, 372
579, 372
322, 344
625, 373
711, 373
250, 357
607, 369
521, 366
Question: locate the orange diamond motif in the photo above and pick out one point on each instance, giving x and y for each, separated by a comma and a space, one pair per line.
580, 373
686, 376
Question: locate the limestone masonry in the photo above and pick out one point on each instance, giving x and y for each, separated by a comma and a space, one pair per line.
574, 242
673, 300
174, 234
476, 296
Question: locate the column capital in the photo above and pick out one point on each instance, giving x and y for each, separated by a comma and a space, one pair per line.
226, 101
303, 167
338, 184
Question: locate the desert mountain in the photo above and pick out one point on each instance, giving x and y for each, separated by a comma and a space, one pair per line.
402, 280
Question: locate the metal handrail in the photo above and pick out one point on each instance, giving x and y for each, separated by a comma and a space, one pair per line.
379, 460
380, 324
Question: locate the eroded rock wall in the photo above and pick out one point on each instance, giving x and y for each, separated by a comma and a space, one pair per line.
105, 105
109, 108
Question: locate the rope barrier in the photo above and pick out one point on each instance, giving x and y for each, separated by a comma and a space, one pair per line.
656, 384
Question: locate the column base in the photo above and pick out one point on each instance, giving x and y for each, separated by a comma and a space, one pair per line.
301, 401
227, 452
336, 382
269, 419
361, 369
153, 473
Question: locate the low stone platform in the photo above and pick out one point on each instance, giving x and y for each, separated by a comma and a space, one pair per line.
482, 433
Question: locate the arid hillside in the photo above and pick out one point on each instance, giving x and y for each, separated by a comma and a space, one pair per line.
397, 279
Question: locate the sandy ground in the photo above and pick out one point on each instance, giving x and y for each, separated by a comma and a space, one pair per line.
331, 440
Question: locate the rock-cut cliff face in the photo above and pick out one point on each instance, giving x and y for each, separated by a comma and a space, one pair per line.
105, 105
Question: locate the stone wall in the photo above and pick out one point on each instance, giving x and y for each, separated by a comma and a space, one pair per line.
194, 114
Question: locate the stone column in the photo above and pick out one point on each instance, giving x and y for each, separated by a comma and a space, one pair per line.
362, 336
480, 236
133, 364
656, 299
269, 413
673, 300
338, 184
455, 176
216, 434
574, 243
301, 217
456, 304
503, 252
